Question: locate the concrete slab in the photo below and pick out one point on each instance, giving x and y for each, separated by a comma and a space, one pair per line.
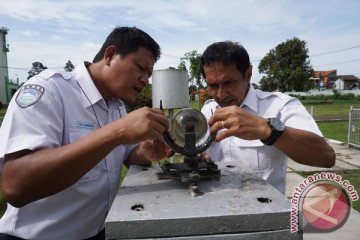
339, 149
352, 159
333, 142
240, 203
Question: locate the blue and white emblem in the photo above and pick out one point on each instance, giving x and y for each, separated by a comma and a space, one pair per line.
29, 95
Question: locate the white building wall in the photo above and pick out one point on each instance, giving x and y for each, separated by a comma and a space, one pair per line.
339, 84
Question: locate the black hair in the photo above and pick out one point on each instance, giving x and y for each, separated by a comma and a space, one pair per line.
228, 53
128, 40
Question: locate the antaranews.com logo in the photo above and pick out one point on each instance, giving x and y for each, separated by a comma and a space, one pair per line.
321, 203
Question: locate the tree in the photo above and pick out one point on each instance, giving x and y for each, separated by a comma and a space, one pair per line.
194, 59
192, 92
37, 67
69, 67
287, 67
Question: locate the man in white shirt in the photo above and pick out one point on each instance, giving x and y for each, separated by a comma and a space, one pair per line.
65, 138
260, 129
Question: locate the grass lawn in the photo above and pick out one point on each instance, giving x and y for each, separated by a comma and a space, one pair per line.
2, 111
337, 108
353, 176
335, 130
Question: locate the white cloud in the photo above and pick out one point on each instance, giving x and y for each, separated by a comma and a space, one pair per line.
56, 38
29, 33
57, 31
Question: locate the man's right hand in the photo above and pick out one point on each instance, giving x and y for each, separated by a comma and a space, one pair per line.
140, 125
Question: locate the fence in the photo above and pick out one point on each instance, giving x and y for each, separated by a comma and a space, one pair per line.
311, 111
324, 92
354, 127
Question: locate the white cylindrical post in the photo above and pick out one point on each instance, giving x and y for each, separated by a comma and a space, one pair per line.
170, 86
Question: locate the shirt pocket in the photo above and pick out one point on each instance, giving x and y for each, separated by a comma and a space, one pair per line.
94, 173
251, 154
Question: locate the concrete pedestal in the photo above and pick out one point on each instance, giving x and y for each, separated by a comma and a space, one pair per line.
239, 206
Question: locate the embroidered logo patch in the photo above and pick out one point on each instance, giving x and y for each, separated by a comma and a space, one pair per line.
86, 125
29, 95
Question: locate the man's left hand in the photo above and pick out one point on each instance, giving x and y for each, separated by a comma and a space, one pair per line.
234, 121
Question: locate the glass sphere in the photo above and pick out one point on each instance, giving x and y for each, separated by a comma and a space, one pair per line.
188, 120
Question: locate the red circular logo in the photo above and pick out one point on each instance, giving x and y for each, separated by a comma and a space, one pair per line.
325, 206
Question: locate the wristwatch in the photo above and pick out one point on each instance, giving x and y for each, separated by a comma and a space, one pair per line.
277, 129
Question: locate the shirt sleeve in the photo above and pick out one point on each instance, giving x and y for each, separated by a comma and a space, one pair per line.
33, 127
295, 115
129, 148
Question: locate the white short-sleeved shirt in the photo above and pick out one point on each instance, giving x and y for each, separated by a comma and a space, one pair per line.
267, 161
49, 111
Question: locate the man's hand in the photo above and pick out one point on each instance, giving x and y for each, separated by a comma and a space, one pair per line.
156, 150
149, 151
203, 157
140, 125
236, 122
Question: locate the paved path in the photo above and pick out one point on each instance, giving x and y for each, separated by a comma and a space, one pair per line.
346, 159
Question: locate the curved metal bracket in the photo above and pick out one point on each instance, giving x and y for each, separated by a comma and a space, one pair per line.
183, 151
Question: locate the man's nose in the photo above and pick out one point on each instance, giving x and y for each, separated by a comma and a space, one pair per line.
221, 93
144, 80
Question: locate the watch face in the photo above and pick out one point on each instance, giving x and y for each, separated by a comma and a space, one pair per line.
277, 124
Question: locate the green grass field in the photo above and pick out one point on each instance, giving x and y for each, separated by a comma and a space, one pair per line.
337, 108
335, 130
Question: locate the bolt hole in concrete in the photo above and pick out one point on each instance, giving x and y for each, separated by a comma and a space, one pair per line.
264, 200
230, 166
137, 207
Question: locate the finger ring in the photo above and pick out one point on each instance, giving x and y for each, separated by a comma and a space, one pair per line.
223, 125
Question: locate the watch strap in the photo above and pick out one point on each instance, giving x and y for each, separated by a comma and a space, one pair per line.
274, 136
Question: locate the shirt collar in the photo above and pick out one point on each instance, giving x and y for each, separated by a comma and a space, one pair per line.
90, 94
250, 100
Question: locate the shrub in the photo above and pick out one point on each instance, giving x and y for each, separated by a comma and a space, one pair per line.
336, 94
347, 96
143, 100
204, 95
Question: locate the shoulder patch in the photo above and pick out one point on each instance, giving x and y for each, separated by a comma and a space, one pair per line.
29, 94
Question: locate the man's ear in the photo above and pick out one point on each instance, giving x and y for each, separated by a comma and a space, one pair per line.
249, 73
110, 53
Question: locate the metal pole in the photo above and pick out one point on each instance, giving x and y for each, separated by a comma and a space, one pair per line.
171, 115
350, 123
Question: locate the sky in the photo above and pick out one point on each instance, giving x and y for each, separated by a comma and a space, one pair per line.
53, 32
